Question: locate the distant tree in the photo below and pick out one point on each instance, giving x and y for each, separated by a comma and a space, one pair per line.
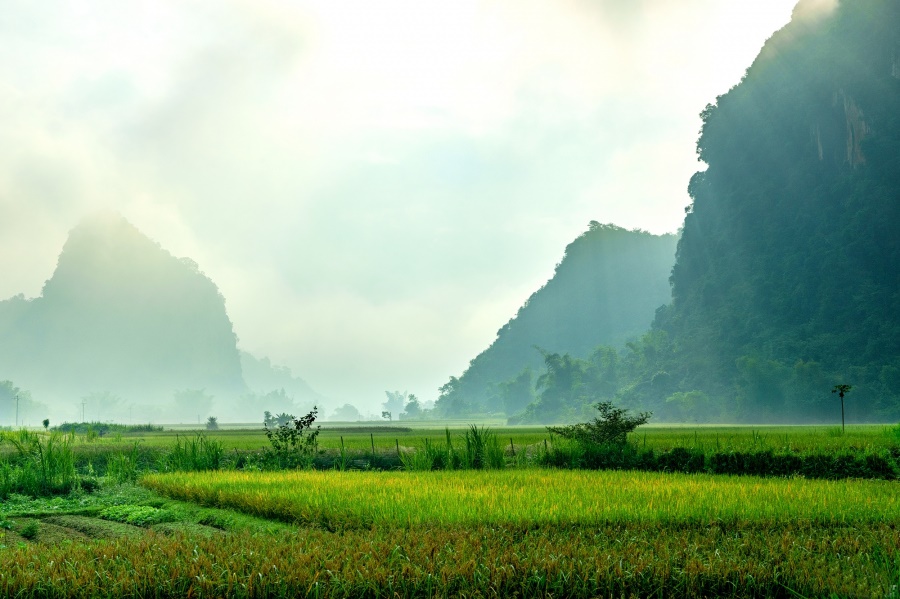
413, 408
191, 403
517, 393
452, 402
346, 413
841, 390
562, 389
386, 415
395, 403
212, 423
278, 420
689, 405
46, 423
611, 428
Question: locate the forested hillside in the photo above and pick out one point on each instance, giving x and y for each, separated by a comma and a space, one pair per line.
123, 318
605, 290
787, 279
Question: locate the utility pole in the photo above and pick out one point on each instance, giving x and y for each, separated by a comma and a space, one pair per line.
17, 410
82, 409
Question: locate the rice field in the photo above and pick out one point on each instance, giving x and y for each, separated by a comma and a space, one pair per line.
502, 533
533, 497
479, 561
386, 438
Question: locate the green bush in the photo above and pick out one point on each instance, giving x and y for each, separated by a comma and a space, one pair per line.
294, 443
136, 515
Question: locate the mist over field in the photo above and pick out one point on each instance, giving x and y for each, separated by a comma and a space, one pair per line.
474, 209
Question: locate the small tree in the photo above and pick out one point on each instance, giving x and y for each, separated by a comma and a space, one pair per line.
212, 423
294, 443
611, 428
387, 415
46, 423
841, 390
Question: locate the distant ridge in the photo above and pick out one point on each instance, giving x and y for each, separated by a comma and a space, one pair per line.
119, 315
604, 291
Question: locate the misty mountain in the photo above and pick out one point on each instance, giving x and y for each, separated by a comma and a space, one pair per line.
604, 291
275, 388
120, 318
787, 278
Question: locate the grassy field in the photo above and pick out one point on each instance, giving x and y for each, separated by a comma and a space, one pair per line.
528, 533
361, 436
533, 497
521, 531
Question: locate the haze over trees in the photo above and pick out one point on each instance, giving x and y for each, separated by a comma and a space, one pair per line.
787, 279
124, 329
605, 290
787, 276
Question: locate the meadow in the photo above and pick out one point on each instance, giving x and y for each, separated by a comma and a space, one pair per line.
411, 434
521, 530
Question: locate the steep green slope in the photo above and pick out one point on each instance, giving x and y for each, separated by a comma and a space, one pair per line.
787, 279
603, 292
122, 315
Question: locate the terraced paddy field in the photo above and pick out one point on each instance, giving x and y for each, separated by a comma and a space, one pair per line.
521, 533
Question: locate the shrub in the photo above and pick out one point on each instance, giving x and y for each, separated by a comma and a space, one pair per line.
294, 443
29, 531
611, 428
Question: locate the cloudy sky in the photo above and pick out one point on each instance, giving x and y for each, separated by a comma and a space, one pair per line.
375, 186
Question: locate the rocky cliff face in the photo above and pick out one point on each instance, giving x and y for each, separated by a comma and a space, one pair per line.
120, 315
788, 268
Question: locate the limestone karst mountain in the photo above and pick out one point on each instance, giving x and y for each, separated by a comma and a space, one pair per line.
120, 316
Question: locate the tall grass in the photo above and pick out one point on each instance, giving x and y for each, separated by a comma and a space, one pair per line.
44, 465
122, 467
194, 455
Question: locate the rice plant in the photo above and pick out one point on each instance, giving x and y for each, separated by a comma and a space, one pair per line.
527, 497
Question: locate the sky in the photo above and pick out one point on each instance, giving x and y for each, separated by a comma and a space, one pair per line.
375, 186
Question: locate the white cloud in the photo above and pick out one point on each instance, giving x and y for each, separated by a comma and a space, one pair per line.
375, 187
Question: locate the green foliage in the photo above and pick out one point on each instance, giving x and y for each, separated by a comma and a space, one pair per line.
604, 291
103, 428
293, 444
610, 428
122, 466
136, 515
413, 409
278, 420
29, 531
45, 465
482, 450
212, 423
813, 465
786, 277
192, 455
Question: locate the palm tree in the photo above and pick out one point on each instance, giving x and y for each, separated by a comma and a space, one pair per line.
841, 390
